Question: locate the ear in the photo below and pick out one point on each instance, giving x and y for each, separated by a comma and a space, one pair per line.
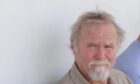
74, 48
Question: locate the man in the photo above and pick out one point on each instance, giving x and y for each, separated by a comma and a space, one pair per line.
129, 61
95, 38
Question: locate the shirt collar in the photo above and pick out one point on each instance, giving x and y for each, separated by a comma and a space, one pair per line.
77, 77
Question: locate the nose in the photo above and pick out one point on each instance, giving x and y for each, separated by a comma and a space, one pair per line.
100, 54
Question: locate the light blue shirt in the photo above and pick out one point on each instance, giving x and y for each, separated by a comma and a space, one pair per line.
129, 62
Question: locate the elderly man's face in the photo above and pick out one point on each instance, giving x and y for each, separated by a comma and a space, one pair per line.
97, 44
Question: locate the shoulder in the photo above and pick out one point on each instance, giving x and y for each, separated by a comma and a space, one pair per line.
120, 77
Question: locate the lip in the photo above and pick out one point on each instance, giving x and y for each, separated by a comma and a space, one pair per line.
99, 65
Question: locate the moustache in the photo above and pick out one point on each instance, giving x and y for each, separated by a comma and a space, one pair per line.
99, 62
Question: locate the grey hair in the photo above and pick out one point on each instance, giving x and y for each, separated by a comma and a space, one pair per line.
94, 18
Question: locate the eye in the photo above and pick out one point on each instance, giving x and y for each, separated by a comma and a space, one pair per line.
108, 46
91, 45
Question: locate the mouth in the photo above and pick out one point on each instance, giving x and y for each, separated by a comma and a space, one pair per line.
95, 64
100, 65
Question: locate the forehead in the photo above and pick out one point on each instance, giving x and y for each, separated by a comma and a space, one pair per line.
99, 31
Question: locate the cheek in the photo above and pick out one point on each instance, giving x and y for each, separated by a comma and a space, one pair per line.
84, 58
112, 58
87, 55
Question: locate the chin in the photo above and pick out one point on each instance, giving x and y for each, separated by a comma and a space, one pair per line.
100, 73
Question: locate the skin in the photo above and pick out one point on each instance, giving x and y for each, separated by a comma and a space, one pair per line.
139, 38
96, 43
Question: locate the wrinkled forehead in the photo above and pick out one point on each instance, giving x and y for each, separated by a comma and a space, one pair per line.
99, 30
